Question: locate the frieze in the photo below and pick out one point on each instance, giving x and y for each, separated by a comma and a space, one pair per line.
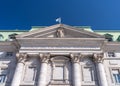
60, 47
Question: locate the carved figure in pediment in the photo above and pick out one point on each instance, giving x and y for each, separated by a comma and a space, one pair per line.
60, 32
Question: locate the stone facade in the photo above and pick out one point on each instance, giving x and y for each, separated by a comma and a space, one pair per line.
59, 55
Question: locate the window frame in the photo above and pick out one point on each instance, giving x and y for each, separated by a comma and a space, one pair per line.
9, 54
4, 78
62, 66
4, 74
61, 62
93, 78
111, 54
27, 66
112, 77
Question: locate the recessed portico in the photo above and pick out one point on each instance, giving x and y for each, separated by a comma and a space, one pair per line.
61, 51
62, 69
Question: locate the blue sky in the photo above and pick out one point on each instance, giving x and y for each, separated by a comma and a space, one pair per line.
22, 14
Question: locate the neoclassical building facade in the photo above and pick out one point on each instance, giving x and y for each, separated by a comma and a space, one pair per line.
59, 55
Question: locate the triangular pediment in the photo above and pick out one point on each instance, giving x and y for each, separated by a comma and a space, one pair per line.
60, 31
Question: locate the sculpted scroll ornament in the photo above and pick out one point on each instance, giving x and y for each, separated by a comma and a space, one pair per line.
75, 58
22, 57
98, 57
44, 57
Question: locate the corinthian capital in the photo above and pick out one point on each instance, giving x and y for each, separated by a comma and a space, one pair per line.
75, 57
44, 57
98, 57
22, 57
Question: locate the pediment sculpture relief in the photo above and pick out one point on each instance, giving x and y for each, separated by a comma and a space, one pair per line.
60, 32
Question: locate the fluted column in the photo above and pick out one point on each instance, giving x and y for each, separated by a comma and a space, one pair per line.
98, 58
76, 74
43, 71
19, 69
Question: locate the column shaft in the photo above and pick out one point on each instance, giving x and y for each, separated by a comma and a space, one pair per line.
43, 74
43, 71
76, 69
17, 75
99, 58
101, 74
76, 75
19, 69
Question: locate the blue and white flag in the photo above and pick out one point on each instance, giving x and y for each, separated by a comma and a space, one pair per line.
58, 20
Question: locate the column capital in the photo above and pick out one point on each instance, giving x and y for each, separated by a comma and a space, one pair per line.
98, 57
44, 57
75, 57
22, 57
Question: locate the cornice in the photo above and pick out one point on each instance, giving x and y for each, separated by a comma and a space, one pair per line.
5, 43
55, 27
62, 38
112, 43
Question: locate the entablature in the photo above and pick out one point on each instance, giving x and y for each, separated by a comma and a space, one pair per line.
8, 46
61, 42
111, 47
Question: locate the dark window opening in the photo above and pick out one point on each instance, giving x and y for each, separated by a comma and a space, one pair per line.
111, 54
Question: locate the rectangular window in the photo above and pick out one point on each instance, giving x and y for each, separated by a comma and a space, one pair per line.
116, 75
31, 72
3, 73
111, 54
88, 73
58, 73
2, 78
9, 54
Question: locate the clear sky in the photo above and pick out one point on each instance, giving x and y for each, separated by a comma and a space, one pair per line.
22, 14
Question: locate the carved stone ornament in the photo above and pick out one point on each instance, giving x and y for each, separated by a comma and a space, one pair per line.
98, 57
75, 57
22, 57
44, 57
60, 32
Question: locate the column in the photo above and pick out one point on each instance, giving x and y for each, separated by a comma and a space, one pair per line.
19, 69
98, 58
43, 71
76, 77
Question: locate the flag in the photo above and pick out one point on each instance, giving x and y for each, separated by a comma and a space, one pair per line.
58, 20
